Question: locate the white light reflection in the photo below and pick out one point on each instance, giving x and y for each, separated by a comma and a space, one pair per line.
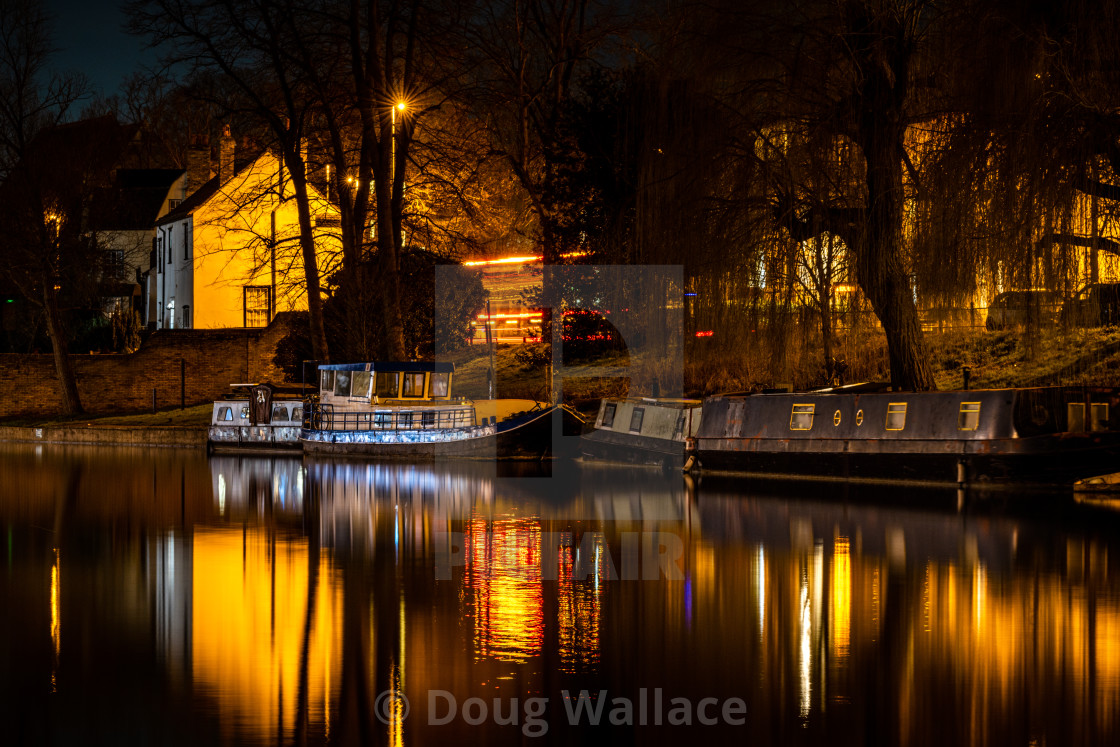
760, 589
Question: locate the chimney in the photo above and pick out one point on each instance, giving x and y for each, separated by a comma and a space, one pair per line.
225, 158
198, 164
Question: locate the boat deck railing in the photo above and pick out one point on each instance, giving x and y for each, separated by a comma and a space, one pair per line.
322, 417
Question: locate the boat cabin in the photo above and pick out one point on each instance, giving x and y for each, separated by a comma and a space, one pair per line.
385, 383
953, 416
669, 419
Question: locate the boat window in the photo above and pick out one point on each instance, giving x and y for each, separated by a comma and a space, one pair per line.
896, 416
608, 414
383, 419
388, 384
439, 384
342, 384
636, 419
413, 385
428, 419
801, 417
969, 417
359, 387
404, 419
1075, 417
1099, 416
279, 413
225, 414
326, 381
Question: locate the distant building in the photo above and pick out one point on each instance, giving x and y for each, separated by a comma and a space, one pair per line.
127, 233
229, 254
509, 283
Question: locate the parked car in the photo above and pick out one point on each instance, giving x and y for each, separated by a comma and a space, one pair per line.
1020, 308
1095, 305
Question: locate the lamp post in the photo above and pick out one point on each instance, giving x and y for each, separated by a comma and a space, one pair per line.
400, 106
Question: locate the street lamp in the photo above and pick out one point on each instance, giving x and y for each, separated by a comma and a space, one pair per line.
400, 106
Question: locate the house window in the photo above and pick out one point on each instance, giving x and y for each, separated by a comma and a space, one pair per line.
114, 264
438, 384
413, 385
801, 417
608, 414
896, 416
388, 385
1098, 416
173, 203
636, 419
185, 322
969, 417
257, 303
1075, 417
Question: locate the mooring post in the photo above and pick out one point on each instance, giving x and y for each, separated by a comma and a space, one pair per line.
182, 384
153, 399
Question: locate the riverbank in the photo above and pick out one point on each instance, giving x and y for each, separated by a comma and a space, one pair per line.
193, 437
185, 428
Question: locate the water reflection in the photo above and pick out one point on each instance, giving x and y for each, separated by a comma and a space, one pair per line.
270, 601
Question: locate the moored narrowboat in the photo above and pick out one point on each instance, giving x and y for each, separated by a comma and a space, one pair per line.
642, 431
406, 410
1046, 434
256, 418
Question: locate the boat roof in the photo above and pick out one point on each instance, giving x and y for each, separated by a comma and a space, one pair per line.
405, 367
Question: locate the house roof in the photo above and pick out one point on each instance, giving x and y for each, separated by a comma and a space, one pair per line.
199, 197
136, 198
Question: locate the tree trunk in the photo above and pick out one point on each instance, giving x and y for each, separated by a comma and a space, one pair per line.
310, 261
388, 263
68, 381
879, 266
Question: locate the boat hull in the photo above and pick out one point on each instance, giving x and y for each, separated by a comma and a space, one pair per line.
527, 436
625, 448
1053, 459
254, 439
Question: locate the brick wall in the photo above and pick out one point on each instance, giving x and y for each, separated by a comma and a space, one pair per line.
213, 358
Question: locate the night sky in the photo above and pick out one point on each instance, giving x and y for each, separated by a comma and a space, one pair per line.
90, 38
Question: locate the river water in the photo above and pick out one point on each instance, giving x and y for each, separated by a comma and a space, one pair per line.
164, 597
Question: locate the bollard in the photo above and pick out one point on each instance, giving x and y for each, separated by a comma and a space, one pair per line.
153, 399
182, 384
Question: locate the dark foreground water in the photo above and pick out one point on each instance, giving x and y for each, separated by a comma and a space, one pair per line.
158, 597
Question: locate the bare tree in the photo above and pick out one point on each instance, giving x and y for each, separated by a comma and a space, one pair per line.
46, 245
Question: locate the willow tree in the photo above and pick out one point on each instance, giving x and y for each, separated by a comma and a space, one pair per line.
821, 97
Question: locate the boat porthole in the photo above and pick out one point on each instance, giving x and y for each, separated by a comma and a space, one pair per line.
859, 417
836, 418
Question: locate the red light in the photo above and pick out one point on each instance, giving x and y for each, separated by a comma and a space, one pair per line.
704, 333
